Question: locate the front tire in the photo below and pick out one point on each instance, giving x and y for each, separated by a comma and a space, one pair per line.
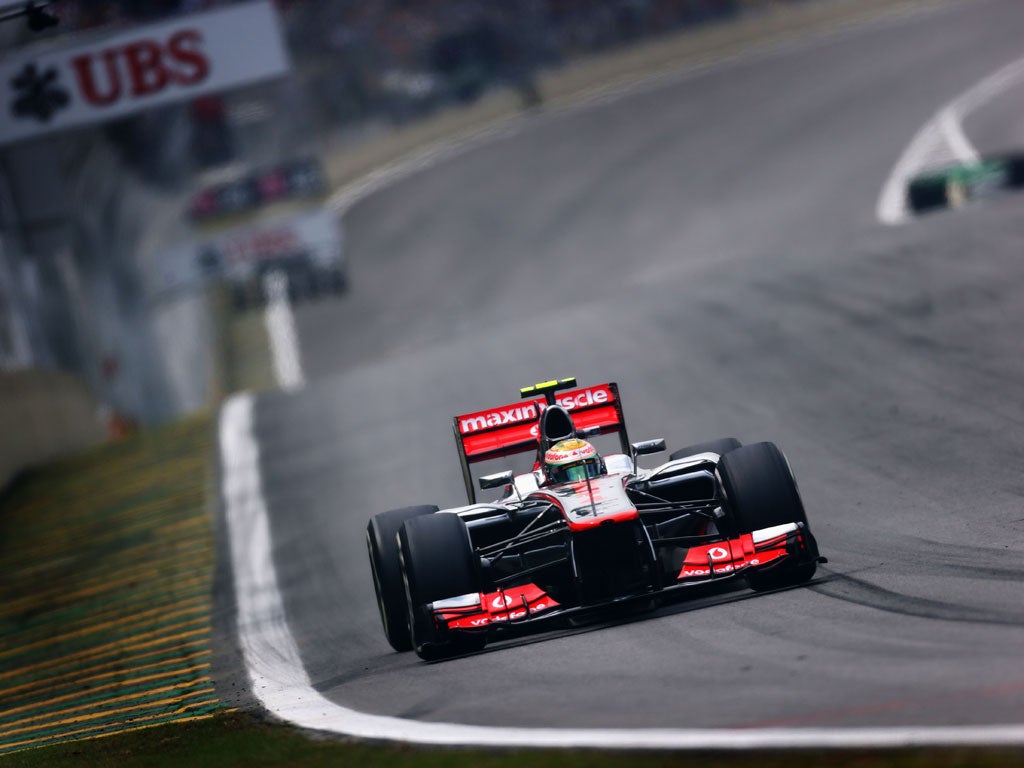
761, 492
382, 545
438, 562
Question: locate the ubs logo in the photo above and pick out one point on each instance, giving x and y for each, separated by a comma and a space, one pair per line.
38, 94
112, 76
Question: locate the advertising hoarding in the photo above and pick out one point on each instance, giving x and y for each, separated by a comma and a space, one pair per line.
50, 89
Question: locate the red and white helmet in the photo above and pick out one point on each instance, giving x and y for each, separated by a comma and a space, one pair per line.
572, 460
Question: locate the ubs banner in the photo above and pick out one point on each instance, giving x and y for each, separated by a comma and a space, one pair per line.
187, 57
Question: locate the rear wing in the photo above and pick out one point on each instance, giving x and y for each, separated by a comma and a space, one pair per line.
515, 428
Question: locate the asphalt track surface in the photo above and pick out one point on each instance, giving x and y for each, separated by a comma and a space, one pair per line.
711, 245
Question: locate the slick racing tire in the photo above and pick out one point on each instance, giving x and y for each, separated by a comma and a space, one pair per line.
301, 286
761, 492
245, 295
1015, 171
335, 280
437, 562
382, 545
927, 193
239, 298
721, 446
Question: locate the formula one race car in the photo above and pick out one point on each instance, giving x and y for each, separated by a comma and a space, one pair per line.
581, 531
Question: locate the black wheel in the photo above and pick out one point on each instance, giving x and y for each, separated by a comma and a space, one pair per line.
336, 280
928, 193
721, 446
437, 563
246, 295
311, 276
257, 296
298, 290
1015, 171
760, 493
382, 545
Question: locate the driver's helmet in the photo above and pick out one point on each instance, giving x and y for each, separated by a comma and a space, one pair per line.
572, 460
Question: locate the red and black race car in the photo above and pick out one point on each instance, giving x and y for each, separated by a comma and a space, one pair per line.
446, 580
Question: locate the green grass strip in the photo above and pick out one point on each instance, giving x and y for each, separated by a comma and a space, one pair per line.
121, 716
104, 607
87, 612
73, 678
138, 692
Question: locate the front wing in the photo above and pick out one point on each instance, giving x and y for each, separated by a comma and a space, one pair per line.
704, 564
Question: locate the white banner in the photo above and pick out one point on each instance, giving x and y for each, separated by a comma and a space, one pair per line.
184, 58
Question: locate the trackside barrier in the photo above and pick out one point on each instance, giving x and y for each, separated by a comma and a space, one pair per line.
44, 414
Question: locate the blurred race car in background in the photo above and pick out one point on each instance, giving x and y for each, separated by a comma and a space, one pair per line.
557, 545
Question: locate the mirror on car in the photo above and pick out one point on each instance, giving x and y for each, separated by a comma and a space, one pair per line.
498, 479
646, 447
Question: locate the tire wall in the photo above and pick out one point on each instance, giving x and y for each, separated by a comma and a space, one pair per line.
44, 414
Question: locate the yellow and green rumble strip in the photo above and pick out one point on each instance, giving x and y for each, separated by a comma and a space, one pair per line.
107, 562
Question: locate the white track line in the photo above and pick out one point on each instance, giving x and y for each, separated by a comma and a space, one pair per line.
284, 339
282, 685
941, 141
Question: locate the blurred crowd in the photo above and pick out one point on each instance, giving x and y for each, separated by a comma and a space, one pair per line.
398, 59
402, 58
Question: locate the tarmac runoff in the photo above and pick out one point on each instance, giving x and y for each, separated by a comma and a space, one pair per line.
105, 619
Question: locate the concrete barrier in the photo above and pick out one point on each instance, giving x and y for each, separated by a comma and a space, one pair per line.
44, 414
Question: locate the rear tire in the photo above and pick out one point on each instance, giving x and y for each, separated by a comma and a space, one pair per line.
437, 563
382, 545
721, 446
239, 298
928, 193
761, 492
1015, 171
337, 280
